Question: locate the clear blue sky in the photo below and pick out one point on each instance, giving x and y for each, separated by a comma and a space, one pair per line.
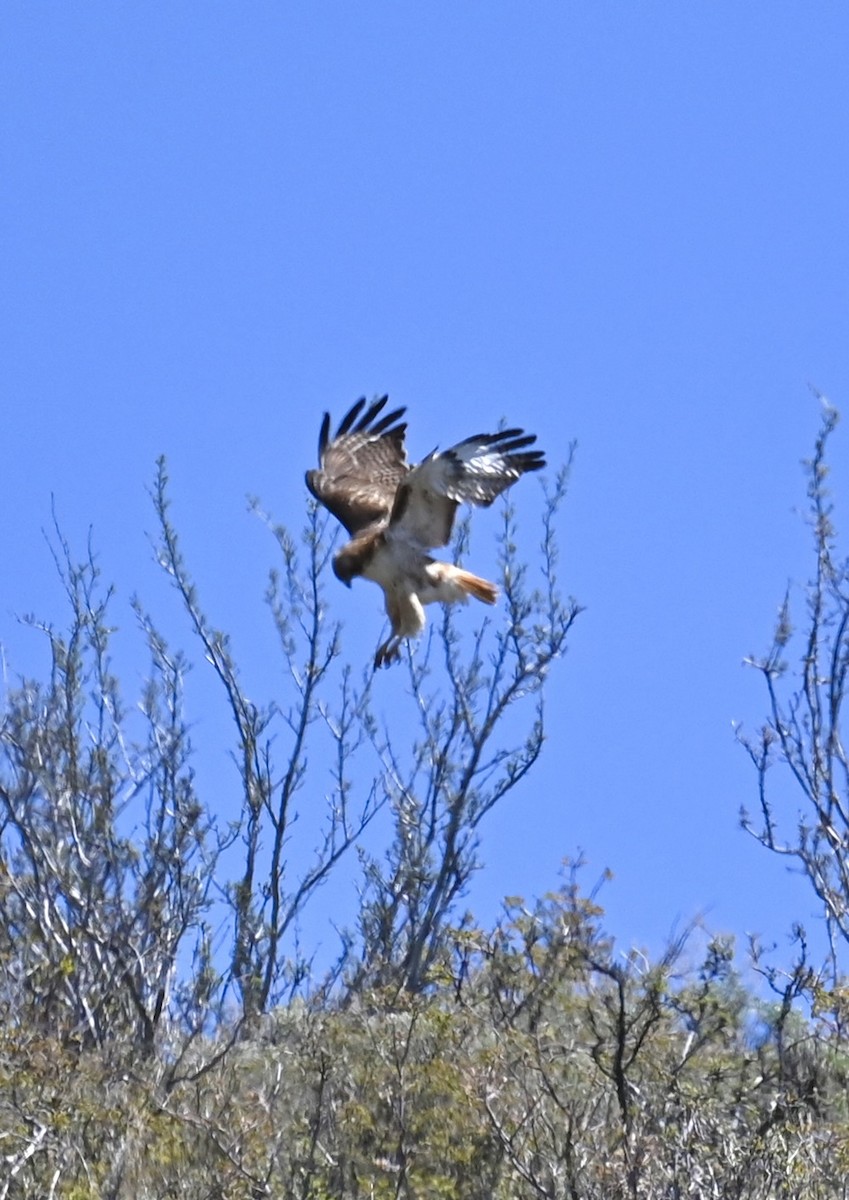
624, 224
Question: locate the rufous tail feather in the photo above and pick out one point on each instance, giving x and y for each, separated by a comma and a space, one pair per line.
481, 589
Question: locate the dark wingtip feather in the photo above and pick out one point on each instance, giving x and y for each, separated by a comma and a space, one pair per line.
509, 441
503, 439
353, 423
350, 417
389, 419
368, 416
323, 436
535, 461
516, 439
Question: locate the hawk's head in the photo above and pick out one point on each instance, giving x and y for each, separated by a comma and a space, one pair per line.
352, 559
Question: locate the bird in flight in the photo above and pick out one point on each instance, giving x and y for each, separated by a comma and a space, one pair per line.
395, 512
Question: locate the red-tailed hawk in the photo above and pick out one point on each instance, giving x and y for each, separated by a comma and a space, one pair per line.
395, 512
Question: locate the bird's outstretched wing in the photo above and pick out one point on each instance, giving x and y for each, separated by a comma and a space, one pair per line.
475, 471
361, 466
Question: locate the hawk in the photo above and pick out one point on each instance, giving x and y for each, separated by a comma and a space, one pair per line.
395, 512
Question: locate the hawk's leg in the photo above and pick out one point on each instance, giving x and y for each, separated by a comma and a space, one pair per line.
388, 653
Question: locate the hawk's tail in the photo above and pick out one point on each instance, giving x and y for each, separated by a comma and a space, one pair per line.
473, 585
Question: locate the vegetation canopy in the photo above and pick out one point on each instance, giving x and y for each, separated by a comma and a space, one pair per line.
165, 1031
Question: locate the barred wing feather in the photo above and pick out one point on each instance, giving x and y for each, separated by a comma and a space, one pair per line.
475, 471
361, 465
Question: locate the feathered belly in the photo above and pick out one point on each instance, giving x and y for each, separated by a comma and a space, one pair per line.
398, 564
404, 570
401, 570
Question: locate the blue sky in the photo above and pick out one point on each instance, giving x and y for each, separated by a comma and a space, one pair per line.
623, 224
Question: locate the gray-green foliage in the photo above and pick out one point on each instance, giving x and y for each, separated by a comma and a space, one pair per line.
143, 1054
541, 1063
803, 740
